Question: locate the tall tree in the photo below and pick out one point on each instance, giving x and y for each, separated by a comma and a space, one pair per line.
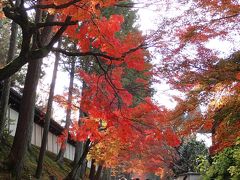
73, 174
26, 113
5, 34
48, 115
79, 145
68, 121
7, 82
75, 13
89, 65
92, 169
99, 171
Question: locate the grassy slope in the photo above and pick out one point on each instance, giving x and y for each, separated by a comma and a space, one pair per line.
51, 168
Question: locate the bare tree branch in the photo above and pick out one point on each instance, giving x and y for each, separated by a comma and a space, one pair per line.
49, 24
68, 53
53, 6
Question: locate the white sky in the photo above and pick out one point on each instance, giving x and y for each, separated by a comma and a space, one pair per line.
148, 20
205, 137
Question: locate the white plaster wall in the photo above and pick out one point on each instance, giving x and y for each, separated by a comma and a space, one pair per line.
33, 140
55, 148
38, 135
12, 123
72, 152
37, 132
66, 154
69, 153
50, 142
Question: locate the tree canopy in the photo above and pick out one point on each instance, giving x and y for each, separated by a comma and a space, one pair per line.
119, 123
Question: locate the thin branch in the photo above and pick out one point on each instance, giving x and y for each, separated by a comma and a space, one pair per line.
108, 79
126, 5
68, 53
58, 33
47, 24
53, 6
225, 17
18, 15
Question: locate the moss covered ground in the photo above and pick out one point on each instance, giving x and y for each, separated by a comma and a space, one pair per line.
51, 168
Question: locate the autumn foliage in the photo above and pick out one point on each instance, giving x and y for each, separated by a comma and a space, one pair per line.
124, 133
114, 125
129, 140
191, 65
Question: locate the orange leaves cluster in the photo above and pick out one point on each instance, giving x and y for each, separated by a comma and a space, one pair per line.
62, 138
106, 38
104, 93
135, 135
99, 33
125, 136
81, 10
93, 30
88, 129
135, 60
139, 154
226, 6
238, 76
197, 34
171, 137
185, 50
225, 136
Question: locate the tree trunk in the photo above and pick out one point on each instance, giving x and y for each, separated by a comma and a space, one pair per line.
48, 116
78, 152
7, 82
73, 174
83, 169
92, 170
106, 174
61, 153
45, 36
29, 143
99, 171
25, 119
128, 176
79, 145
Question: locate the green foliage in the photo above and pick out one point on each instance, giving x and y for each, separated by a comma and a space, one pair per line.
203, 164
189, 152
4, 40
225, 165
130, 16
17, 80
7, 131
51, 168
137, 89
